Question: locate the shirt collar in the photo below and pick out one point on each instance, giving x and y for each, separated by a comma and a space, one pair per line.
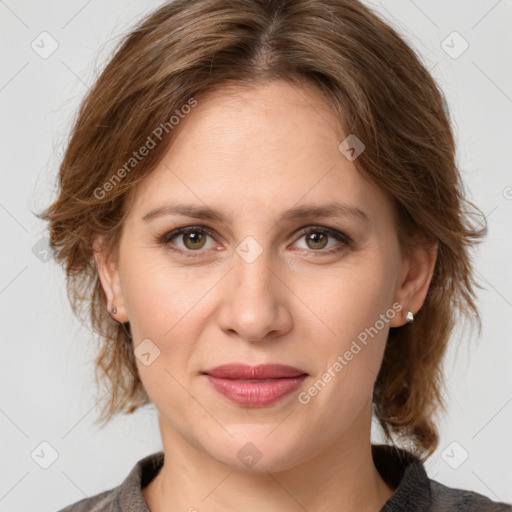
405, 473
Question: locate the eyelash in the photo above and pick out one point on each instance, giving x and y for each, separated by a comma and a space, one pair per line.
341, 237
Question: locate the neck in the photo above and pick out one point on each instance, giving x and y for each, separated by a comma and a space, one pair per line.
342, 477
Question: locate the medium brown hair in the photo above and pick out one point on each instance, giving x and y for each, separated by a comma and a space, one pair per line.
379, 90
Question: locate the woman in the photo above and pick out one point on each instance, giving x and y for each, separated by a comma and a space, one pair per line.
260, 209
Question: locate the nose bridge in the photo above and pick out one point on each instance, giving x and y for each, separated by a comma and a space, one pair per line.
253, 274
253, 304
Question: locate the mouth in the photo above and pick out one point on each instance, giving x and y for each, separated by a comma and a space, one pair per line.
255, 386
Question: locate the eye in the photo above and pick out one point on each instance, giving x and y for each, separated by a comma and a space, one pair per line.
191, 238
317, 239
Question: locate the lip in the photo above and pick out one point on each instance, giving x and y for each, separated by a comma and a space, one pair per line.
255, 386
260, 372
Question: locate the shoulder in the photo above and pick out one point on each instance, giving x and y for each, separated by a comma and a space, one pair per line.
106, 501
414, 490
460, 500
128, 495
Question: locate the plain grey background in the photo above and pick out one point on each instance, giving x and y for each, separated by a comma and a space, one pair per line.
51, 52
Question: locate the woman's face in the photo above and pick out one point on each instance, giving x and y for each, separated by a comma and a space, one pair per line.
273, 282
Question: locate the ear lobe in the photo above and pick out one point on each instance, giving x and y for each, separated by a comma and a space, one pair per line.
414, 281
108, 273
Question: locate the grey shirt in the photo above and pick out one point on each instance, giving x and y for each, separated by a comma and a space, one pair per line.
414, 491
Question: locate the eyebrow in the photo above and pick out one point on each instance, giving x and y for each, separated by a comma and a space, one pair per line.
204, 212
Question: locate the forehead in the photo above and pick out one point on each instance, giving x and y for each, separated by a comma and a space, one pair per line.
261, 148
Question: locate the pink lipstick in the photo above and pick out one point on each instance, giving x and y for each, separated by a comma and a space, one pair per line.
255, 386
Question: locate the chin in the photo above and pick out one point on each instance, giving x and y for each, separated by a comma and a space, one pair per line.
252, 449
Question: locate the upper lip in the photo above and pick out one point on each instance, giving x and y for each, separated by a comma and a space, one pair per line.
261, 371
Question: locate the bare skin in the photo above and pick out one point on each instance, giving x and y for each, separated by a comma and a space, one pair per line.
253, 154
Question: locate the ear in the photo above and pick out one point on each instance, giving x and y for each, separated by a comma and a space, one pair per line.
108, 272
414, 279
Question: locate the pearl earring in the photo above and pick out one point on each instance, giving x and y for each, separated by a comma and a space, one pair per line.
409, 317
114, 310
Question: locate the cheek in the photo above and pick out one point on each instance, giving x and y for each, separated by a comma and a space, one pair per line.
348, 361
158, 297
348, 301
167, 306
355, 308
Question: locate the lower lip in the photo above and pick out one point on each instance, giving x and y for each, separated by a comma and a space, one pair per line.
255, 393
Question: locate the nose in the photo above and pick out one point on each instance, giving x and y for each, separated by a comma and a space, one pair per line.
255, 301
